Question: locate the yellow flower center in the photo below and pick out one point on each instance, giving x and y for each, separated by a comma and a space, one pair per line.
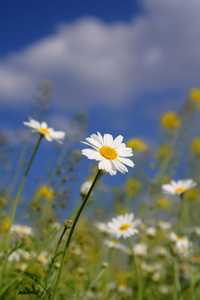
108, 152
179, 238
180, 190
43, 130
41, 258
113, 241
124, 227
22, 230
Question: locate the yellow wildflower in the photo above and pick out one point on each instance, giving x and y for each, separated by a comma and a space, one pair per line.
45, 192
170, 120
137, 144
195, 146
192, 195
195, 96
163, 203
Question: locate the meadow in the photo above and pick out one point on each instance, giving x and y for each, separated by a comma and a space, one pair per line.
76, 235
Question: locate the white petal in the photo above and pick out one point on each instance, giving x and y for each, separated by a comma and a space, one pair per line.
57, 134
108, 139
119, 166
48, 138
91, 154
117, 141
94, 140
124, 152
126, 161
100, 138
44, 125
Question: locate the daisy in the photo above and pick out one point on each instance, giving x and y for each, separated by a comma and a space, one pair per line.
101, 226
151, 231
21, 229
42, 257
123, 226
163, 225
18, 255
43, 129
179, 187
140, 249
110, 243
111, 154
182, 244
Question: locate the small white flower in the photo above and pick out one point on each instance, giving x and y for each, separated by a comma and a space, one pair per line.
43, 257
56, 225
161, 251
110, 243
111, 154
164, 225
103, 227
182, 244
151, 268
123, 226
140, 249
18, 255
164, 289
196, 230
178, 187
85, 188
21, 229
43, 129
151, 231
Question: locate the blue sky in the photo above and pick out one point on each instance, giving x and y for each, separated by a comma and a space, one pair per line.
123, 61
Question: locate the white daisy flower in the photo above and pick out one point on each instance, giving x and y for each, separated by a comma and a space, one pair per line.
43, 129
18, 255
103, 227
163, 225
178, 187
111, 154
43, 257
21, 229
123, 226
151, 231
140, 249
182, 244
161, 251
110, 243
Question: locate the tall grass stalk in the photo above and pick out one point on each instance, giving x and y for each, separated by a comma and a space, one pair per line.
137, 270
185, 224
15, 205
177, 285
71, 233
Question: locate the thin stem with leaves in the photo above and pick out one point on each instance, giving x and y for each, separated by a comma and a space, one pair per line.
71, 232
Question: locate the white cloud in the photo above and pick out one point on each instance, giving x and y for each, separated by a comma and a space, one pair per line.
91, 63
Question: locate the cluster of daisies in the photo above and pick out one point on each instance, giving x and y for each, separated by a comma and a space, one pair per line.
110, 153
113, 155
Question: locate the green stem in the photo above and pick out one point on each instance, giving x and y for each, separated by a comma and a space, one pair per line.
137, 270
71, 233
54, 257
184, 213
185, 222
176, 279
15, 204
